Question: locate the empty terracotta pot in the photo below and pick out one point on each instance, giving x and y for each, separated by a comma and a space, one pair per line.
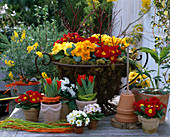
125, 109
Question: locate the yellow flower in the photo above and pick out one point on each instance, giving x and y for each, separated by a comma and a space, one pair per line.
23, 35
10, 75
57, 48
30, 48
39, 54
145, 83
13, 38
166, 13
145, 5
35, 45
44, 75
9, 63
4, 55
163, 3
111, 0
15, 34
66, 45
85, 56
154, 49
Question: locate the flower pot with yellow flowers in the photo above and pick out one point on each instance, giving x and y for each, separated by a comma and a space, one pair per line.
51, 104
30, 104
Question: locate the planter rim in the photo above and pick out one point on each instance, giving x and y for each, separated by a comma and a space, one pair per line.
85, 66
154, 94
37, 83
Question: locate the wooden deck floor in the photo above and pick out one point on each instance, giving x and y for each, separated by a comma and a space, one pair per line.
104, 130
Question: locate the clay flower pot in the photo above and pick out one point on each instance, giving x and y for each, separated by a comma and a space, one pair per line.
79, 130
125, 109
51, 112
149, 126
65, 110
32, 114
81, 104
93, 124
163, 98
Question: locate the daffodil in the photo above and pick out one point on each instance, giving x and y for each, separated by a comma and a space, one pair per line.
44, 75
11, 75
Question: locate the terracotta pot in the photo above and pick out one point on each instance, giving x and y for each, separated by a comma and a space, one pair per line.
125, 109
162, 98
81, 104
149, 126
32, 114
135, 91
93, 124
51, 112
21, 89
65, 110
79, 130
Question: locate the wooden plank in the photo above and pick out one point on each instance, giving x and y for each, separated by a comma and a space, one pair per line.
104, 129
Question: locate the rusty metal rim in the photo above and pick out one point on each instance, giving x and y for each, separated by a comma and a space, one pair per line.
85, 66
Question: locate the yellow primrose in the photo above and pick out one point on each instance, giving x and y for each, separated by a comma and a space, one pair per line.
39, 54
85, 56
57, 48
44, 75
66, 45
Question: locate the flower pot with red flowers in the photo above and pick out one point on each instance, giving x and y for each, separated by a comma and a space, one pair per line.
150, 112
85, 87
51, 104
79, 120
93, 111
30, 104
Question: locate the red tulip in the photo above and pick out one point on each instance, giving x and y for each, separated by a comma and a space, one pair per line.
49, 81
58, 84
79, 79
91, 78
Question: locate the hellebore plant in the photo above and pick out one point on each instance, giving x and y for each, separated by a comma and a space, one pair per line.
152, 108
85, 87
30, 99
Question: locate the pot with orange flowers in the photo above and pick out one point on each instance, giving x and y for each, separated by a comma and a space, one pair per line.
51, 104
30, 104
149, 112
85, 87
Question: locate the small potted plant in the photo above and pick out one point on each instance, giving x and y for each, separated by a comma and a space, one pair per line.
51, 104
30, 104
85, 87
79, 119
93, 111
68, 95
149, 113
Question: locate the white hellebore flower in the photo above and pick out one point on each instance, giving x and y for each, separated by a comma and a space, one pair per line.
71, 91
66, 80
79, 123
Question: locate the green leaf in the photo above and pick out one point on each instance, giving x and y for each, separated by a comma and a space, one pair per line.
58, 57
77, 59
153, 54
